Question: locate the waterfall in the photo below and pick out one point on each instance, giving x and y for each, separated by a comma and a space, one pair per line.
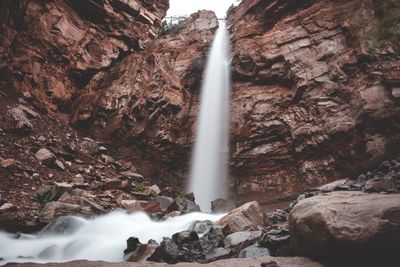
210, 156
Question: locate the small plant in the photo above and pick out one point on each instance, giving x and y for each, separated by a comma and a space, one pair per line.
44, 196
141, 187
169, 28
387, 31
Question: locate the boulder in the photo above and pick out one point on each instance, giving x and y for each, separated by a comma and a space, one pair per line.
254, 251
45, 156
347, 225
243, 218
243, 237
55, 209
165, 202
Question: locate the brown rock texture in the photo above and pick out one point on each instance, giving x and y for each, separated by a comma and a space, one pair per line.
52, 49
313, 93
250, 262
347, 225
147, 103
315, 96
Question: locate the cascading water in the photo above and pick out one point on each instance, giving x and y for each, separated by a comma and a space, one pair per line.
103, 238
210, 155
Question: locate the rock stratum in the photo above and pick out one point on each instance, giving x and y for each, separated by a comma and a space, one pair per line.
315, 97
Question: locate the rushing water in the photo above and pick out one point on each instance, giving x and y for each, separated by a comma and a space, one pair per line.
103, 238
210, 156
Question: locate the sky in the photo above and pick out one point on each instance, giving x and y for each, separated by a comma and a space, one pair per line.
187, 7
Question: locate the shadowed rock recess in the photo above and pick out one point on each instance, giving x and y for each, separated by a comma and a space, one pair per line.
98, 106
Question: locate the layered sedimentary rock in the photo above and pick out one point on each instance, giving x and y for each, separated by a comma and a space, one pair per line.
51, 49
147, 103
315, 96
314, 92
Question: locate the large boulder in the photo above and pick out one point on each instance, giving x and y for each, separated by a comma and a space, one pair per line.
246, 217
347, 225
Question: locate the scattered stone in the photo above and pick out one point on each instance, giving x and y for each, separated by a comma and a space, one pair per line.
221, 205
153, 190
218, 254
61, 188
168, 252
6, 163
185, 205
45, 156
246, 217
276, 240
278, 216
6, 207
129, 174
59, 165
89, 146
243, 237
141, 205
107, 159
201, 227
165, 202
185, 237
254, 251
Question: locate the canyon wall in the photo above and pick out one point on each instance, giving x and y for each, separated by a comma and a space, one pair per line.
315, 97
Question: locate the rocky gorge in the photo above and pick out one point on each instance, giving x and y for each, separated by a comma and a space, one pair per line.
98, 113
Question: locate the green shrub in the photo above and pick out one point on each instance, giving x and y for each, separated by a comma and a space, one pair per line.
45, 195
387, 31
141, 187
169, 28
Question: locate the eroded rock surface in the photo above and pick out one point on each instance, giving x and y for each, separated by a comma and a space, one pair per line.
347, 225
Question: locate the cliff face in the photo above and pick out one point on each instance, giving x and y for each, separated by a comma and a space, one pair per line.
146, 105
315, 94
51, 49
316, 87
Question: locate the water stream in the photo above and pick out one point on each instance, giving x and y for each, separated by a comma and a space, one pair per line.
208, 177
102, 238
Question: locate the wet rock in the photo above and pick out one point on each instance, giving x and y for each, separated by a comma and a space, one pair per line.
243, 238
132, 244
276, 240
217, 254
212, 239
62, 226
168, 252
185, 205
201, 227
222, 205
165, 202
246, 217
185, 237
278, 216
254, 251
45, 156
142, 252
347, 225
55, 209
